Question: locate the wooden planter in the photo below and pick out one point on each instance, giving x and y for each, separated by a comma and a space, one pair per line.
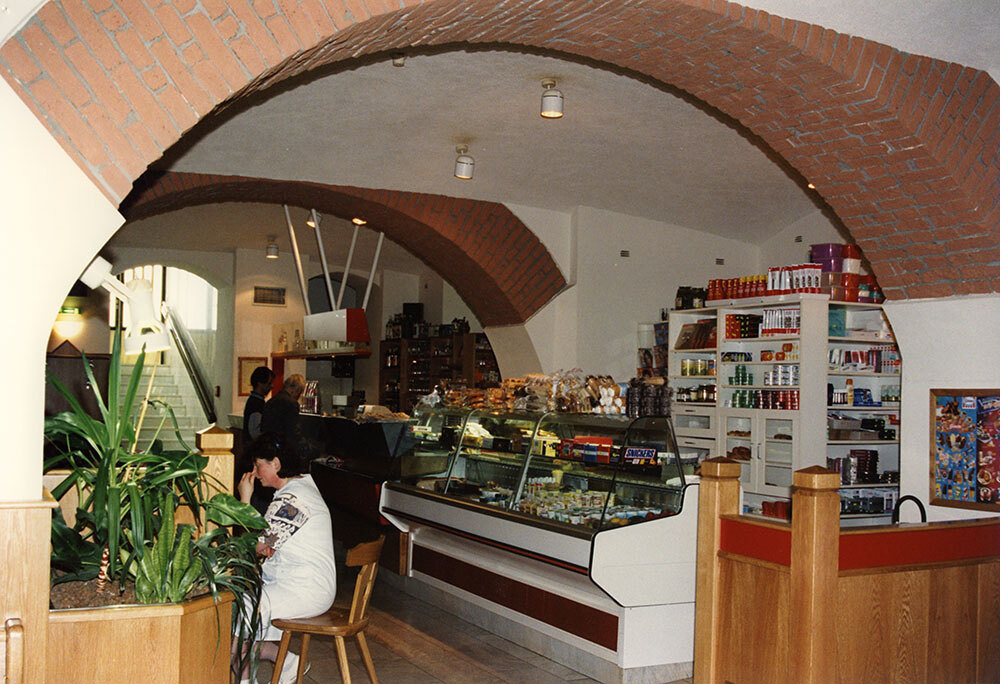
180, 643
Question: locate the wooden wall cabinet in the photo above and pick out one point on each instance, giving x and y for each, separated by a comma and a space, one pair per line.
411, 368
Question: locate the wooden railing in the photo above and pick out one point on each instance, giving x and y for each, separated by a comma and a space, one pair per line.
808, 603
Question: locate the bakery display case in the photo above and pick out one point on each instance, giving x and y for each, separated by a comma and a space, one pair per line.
586, 471
535, 510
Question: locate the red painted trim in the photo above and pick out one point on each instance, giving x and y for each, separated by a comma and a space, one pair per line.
578, 619
916, 546
490, 542
756, 541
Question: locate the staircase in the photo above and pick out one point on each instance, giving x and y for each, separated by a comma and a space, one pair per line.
172, 386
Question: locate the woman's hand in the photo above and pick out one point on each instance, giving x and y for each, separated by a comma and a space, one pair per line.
245, 487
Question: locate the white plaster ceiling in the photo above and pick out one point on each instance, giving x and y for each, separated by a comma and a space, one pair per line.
623, 145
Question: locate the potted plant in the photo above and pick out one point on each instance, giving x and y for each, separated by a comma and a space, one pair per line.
126, 534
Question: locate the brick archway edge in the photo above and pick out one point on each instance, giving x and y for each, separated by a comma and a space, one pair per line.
495, 263
905, 149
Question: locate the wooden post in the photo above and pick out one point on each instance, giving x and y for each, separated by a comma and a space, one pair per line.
812, 640
25, 531
217, 444
718, 495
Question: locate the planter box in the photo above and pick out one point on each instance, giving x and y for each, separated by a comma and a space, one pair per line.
182, 643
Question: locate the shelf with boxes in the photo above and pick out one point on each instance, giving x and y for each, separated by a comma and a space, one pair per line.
412, 367
780, 365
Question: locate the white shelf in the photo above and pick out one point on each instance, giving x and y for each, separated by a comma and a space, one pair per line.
699, 350
768, 387
878, 485
867, 339
869, 442
767, 338
760, 363
807, 424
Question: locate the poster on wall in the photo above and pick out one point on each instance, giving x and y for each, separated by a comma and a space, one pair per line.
965, 448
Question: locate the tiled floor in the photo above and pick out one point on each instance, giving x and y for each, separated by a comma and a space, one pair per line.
413, 642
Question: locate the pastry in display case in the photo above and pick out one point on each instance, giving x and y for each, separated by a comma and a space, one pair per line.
582, 471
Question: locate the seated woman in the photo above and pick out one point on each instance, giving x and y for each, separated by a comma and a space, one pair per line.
299, 572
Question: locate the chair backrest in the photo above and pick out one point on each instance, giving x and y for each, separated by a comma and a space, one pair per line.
365, 555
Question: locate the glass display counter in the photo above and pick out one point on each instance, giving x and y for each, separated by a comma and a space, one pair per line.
587, 471
593, 514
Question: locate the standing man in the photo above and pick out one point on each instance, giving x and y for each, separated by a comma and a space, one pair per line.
261, 380
281, 413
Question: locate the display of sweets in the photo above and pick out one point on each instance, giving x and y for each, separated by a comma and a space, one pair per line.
581, 507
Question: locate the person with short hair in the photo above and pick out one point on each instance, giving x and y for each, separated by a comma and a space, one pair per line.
281, 412
299, 572
260, 381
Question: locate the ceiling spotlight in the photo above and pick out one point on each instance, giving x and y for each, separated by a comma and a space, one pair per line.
552, 100
398, 59
272, 248
358, 221
811, 186
463, 163
310, 222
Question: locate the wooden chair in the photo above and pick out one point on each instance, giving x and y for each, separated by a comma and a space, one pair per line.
338, 622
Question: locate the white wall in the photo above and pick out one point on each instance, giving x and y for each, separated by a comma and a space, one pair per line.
945, 344
781, 248
50, 209
614, 293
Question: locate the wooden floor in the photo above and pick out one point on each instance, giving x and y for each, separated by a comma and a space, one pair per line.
413, 642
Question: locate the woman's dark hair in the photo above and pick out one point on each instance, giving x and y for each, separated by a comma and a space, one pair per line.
260, 375
273, 444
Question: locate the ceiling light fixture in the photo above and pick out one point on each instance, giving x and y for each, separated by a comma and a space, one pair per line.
463, 163
552, 100
272, 248
358, 221
398, 59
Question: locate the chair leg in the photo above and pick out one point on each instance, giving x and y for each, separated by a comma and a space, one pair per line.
302, 657
286, 638
367, 657
345, 668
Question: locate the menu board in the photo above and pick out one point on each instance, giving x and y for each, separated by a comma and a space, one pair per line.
965, 448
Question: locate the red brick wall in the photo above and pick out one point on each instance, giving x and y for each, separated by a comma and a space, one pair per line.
492, 260
903, 148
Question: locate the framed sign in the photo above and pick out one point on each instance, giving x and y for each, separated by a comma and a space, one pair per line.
247, 365
965, 448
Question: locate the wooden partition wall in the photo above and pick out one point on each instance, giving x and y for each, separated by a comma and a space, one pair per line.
808, 603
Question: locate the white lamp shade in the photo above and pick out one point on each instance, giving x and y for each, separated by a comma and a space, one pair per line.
272, 250
145, 327
552, 104
463, 166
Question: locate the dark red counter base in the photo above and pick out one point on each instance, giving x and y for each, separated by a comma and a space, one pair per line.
583, 621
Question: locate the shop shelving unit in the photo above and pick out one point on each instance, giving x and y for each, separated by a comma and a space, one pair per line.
754, 418
410, 368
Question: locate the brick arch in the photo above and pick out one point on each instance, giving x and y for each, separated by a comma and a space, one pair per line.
498, 266
903, 148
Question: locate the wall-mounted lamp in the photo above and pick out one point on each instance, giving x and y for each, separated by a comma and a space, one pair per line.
552, 100
145, 326
69, 320
272, 248
463, 163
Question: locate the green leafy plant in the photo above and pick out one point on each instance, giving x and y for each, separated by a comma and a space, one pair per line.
128, 495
